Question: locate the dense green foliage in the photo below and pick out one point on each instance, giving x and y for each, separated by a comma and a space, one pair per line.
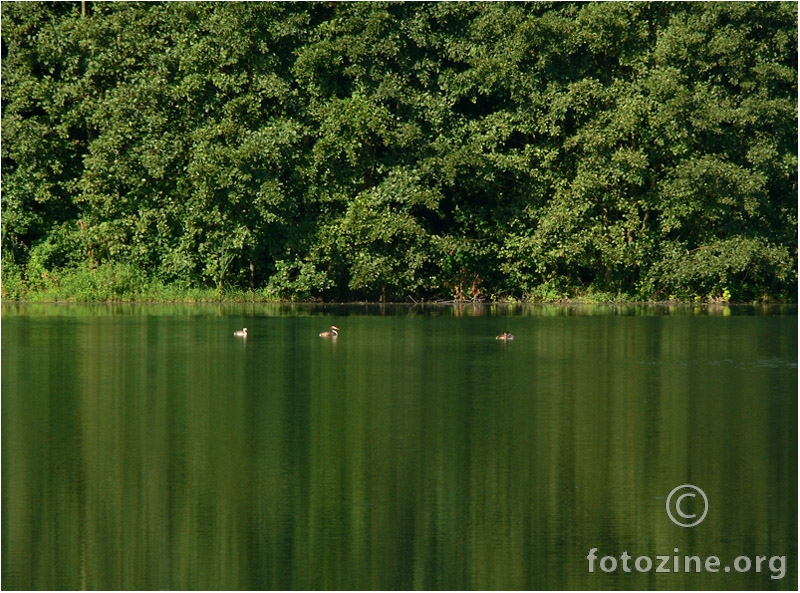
395, 150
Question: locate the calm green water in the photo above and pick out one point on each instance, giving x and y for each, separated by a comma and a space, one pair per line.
144, 447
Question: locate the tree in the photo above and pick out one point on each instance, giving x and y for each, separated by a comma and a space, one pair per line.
385, 150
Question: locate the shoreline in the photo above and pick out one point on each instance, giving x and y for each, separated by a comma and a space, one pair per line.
420, 303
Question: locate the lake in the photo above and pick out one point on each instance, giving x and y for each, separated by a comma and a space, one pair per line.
146, 447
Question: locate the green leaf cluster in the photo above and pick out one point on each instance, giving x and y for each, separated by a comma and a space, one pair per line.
388, 150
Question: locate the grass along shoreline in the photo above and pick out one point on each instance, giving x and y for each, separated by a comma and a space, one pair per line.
159, 293
119, 283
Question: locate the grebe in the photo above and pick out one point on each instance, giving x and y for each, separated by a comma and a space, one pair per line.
241, 333
334, 332
505, 336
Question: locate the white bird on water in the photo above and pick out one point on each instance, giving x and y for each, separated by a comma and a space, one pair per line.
240, 333
334, 332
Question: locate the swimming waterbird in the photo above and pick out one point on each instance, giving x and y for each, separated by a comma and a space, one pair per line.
332, 333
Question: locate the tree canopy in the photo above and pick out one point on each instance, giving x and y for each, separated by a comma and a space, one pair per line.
388, 150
